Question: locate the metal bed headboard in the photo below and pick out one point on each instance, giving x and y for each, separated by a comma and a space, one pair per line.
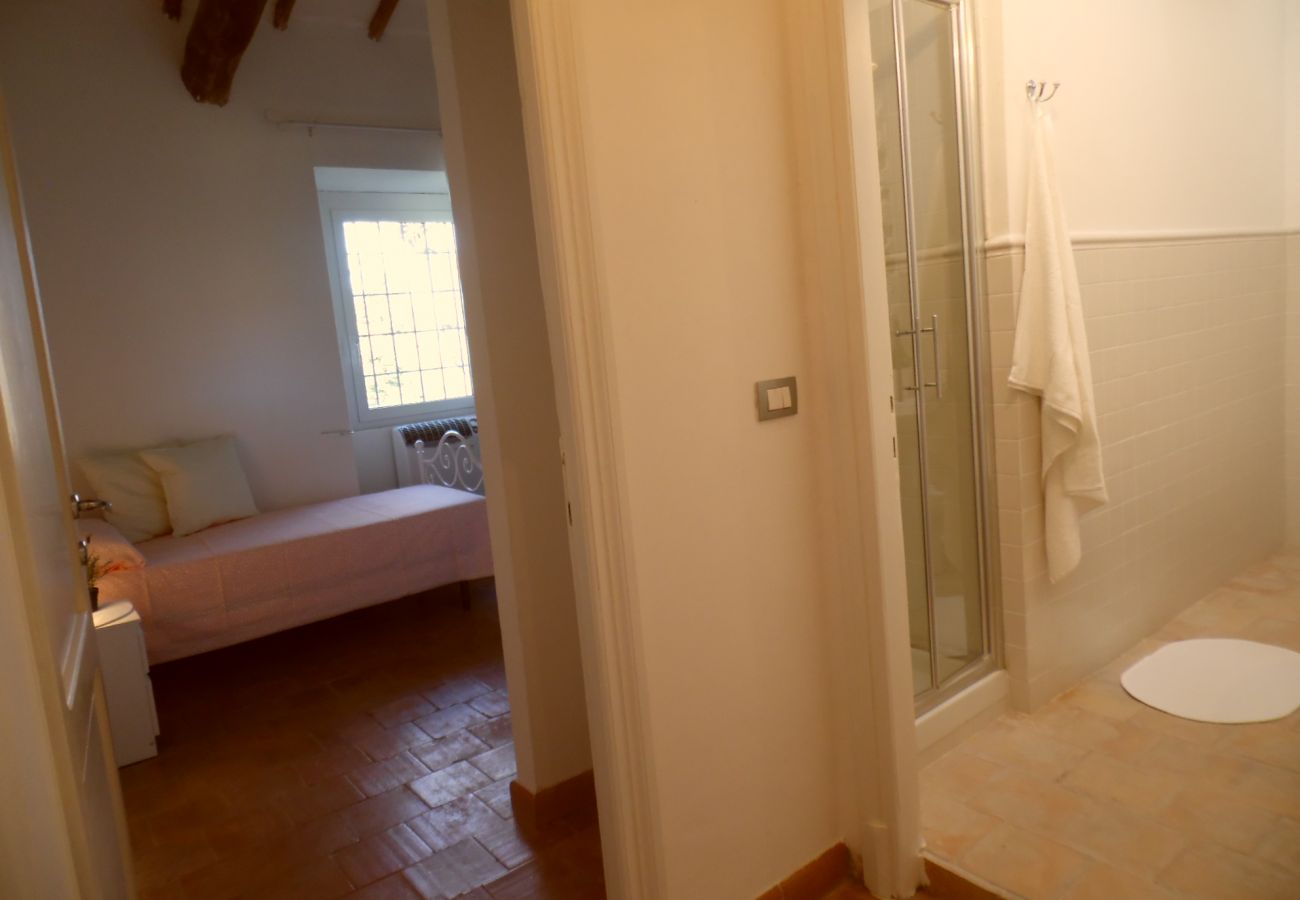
452, 462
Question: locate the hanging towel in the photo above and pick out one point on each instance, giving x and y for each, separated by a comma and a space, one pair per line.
1050, 361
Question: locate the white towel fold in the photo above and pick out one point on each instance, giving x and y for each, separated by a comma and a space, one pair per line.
1050, 360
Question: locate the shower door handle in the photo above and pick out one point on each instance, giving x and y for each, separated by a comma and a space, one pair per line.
933, 331
909, 332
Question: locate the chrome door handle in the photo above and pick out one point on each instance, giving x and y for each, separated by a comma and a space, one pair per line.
82, 504
907, 332
933, 331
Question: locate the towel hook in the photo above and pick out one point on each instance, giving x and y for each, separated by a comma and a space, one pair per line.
1034, 90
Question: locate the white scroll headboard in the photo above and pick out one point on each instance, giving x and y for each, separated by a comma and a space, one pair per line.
406, 458
452, 462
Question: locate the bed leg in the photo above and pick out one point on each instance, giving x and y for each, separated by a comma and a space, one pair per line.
464, 596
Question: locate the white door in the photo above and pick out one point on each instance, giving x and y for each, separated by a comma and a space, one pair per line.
62, 831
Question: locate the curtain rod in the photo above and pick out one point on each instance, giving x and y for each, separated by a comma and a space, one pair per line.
312, 124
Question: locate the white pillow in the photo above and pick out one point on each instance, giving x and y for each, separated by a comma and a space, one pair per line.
204, 483
115, 553
139, 505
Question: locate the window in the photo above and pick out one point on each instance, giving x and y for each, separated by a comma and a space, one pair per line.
399, 306
407, 311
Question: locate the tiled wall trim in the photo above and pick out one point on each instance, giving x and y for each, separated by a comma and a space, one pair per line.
1188, 340
1091, 239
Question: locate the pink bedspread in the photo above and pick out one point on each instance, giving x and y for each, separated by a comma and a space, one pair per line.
280, 569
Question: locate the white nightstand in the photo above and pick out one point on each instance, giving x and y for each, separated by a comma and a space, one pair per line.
132, 717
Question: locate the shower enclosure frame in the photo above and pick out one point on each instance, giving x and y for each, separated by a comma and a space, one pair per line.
986, 526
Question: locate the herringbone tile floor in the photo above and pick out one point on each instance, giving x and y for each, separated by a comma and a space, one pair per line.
365, 756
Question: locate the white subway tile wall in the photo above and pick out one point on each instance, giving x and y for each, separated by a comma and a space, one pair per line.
1189, 344
1291, 417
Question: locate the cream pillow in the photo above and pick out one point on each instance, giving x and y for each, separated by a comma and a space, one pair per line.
203, 482
139, 505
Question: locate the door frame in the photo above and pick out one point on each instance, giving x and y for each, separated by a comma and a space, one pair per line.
600, 546
841, 237
846, 286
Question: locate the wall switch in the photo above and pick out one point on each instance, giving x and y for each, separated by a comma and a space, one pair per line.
777, 397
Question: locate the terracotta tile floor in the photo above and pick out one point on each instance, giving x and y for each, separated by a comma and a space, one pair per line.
368, 756
852, 891
1099, 796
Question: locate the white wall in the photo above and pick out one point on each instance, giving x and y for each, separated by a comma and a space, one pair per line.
1167, 116
695, 208
179, 245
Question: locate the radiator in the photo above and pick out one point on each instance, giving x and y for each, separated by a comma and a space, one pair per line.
439, 451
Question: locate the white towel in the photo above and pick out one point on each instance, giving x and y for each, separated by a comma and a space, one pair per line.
1050, 360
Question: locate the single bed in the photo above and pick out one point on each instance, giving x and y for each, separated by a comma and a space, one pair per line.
277, 570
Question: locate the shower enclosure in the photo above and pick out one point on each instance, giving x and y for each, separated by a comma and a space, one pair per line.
924, 101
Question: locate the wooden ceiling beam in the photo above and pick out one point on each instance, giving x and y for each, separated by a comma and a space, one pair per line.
219, 35
379, 21
283, 9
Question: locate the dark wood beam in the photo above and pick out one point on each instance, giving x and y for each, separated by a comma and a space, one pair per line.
283, 9
379, 21
173, 9
219, 35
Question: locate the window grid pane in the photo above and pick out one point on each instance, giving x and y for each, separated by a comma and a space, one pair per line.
409, 311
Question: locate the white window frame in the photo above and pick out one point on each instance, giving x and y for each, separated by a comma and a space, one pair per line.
338, 207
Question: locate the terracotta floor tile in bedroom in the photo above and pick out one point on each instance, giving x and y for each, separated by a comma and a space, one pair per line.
366, 756
1099, 796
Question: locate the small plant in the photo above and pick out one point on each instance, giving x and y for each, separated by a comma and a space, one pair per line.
95, 570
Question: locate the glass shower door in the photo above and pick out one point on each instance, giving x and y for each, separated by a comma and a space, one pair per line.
928, 264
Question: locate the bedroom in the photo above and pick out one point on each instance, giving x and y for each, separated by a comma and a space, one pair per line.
184, 259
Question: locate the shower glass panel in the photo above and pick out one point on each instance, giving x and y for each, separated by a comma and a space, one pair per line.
920, 98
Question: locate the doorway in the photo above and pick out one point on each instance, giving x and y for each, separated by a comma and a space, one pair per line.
537, 645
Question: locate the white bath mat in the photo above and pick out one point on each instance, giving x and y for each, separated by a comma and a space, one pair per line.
1218, 680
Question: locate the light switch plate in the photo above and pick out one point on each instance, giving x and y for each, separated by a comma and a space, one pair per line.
769, 395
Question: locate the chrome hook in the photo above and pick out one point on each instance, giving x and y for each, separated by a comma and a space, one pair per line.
1034, 90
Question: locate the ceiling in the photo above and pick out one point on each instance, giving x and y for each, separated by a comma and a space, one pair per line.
408, 18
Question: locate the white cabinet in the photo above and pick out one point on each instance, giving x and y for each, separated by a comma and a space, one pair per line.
132, 717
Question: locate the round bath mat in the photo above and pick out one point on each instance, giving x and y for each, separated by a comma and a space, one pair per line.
1218, 680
